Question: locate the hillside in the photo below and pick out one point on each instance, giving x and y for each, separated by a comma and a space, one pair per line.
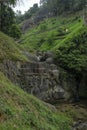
9, 49
43, 71
49, 34
20, 111
66, 37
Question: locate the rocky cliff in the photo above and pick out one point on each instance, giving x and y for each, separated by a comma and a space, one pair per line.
41, 77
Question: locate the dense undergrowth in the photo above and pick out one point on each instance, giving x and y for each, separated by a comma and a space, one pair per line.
21, 111
72, 52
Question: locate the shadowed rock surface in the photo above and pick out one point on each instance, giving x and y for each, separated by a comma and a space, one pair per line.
80, 126
41, 77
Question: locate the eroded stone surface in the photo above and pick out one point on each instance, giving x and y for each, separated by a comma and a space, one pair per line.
41, 78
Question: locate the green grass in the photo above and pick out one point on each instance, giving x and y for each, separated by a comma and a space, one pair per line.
53, 33
21, 111
9, 49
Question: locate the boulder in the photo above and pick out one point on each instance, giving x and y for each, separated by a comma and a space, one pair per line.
49, 60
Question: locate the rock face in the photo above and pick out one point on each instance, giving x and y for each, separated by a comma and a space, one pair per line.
42, 78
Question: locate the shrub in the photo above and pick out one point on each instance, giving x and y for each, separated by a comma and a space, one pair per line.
15, 31
72, 55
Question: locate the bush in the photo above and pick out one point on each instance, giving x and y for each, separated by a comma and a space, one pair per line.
72, 55
15, 31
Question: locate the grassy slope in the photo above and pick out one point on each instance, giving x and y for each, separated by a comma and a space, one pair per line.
9, 49
50, 34
20, 111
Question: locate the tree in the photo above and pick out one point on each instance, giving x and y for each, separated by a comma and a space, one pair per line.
7, 15
15, 31
32, 11
9, 2
7, 18
28, 14
64, 6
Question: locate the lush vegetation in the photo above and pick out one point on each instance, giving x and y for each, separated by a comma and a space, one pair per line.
71, 55
15, 31
67, 38
21, 111
7, 19
72, 52
51, 32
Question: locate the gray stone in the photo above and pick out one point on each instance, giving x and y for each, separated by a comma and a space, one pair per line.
41, 79
49, 60
80, 126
